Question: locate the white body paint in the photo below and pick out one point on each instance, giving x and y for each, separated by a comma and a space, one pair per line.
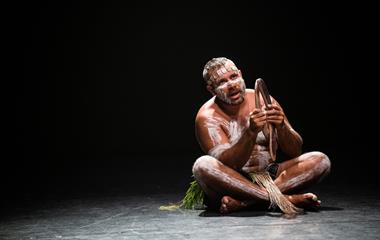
209, 165
234, 131
321, 169
223, 95
292, 183
228, 66
213, 125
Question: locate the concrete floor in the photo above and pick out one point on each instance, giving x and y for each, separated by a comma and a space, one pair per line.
347, 213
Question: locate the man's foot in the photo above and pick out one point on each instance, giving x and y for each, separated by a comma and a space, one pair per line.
229, 204
307, 201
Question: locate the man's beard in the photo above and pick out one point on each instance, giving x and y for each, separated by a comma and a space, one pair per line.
225, 98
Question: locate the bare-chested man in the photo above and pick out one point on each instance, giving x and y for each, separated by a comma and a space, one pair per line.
229, 129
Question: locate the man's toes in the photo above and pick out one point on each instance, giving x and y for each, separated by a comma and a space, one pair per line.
314, 205
225, 200
311, 196
223, 208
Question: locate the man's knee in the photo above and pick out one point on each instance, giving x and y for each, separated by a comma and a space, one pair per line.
322, 161
203, 165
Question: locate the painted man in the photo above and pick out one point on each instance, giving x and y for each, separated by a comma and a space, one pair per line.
230, 130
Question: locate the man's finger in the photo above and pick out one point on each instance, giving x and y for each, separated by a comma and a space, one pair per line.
257, 115
255, 111
274, 106
275, 117
274, 112
260, 118
276, 122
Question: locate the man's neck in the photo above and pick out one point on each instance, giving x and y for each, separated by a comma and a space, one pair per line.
231, 110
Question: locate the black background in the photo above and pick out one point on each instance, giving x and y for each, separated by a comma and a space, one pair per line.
107, 94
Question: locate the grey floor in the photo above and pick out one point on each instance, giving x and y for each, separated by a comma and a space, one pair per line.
348, 212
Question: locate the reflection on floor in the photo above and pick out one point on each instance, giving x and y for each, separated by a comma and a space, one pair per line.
347, 213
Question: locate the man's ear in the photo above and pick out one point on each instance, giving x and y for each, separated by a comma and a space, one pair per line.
241, 74
211, 90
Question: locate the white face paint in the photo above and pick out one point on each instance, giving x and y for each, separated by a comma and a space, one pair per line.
227, 67
223, 93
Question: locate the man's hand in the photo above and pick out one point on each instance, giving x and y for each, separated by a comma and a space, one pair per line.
272, 114
275, 115
257, 120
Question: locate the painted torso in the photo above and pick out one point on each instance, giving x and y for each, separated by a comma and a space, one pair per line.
233, 128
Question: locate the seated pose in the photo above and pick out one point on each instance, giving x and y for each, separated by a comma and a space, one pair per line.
240, 131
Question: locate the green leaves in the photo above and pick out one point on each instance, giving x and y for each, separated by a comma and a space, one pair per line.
194, 197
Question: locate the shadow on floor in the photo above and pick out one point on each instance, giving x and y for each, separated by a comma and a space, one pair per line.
262, 212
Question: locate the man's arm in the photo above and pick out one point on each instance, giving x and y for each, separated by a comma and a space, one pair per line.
289, 140
233, 152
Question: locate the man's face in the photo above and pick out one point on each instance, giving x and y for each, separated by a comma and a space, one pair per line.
228, 84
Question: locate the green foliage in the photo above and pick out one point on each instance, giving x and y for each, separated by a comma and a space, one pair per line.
194, 197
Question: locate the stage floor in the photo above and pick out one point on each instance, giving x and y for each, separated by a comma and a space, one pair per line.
348, 212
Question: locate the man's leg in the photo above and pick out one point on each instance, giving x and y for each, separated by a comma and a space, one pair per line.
225, 185
301, 172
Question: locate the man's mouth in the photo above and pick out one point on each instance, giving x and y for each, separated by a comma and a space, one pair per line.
235, 94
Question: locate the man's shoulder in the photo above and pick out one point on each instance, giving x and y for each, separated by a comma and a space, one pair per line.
249, 91
208, 110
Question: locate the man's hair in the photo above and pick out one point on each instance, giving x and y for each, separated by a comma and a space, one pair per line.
214, 63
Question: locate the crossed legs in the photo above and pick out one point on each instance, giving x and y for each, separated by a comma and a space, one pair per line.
231, 191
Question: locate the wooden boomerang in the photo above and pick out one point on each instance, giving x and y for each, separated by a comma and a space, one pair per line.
261, 89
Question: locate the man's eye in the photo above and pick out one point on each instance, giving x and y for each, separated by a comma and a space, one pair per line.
234, 76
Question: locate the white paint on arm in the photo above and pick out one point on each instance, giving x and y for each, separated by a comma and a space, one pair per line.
213, 126
234, 131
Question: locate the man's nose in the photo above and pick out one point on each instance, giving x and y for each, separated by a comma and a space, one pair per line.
231, 84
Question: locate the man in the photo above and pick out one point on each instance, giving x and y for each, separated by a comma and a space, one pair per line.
231, 130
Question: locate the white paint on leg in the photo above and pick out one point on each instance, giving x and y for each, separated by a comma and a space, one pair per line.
319, 171
211, 166
297, 180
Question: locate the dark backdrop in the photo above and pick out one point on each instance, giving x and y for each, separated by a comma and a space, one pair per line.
108, 93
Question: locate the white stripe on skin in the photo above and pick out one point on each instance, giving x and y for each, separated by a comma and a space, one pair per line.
218, 150
210, 165
258, 161
321, 169
324, 166
297, 180
223, 95
263, 160
213, 126
234, 130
